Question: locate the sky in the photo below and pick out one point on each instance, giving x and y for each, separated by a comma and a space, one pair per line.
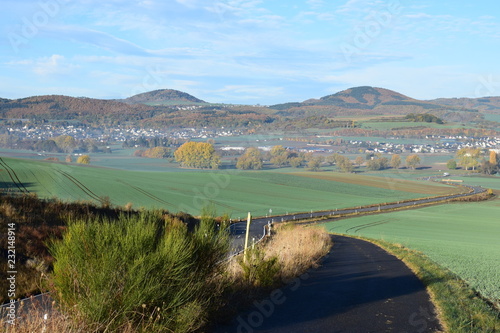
249, 51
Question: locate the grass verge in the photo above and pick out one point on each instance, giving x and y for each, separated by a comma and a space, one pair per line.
460, 308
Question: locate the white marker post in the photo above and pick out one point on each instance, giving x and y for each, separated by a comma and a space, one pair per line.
249, 219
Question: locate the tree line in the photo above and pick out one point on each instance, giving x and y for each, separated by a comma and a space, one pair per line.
471, 158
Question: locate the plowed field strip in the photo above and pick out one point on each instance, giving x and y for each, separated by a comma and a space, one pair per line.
13, 176
148, 194
80, 185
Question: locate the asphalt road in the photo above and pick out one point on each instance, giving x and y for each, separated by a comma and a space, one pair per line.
257, 226
358, 288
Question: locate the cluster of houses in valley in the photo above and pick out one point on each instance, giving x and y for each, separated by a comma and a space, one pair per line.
112, 134
431, 144
443, 144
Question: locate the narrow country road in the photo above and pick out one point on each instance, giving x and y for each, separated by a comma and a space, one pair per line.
257, 226
358, 288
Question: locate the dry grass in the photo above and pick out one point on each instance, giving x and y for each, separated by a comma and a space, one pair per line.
38, 320
297, 248
41, 321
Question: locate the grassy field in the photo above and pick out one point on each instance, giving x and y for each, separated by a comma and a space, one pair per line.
233, 192
492, 182
387, 125
460, 237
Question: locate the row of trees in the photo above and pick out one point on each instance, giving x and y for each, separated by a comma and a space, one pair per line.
253, 158
203, 155
156, 152
151, 142
472, 158
424, 117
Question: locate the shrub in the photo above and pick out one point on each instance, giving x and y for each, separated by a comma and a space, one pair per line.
84, 159
143, 270
257, 270
451, 164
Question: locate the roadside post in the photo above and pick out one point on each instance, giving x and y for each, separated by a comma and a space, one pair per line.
249, 219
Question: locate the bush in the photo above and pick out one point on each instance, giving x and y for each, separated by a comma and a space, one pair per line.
84, 159
451, 164
257, 270
145, 271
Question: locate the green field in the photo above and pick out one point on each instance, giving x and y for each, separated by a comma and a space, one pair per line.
492, 182
387, 125
234, 192
462, 237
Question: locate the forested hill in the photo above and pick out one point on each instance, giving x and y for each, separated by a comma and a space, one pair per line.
173, 108
69, 108
481, 104
158, 108
368, 101
163, 97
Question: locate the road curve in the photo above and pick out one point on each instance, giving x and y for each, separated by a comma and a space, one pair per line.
358, 288
257, 227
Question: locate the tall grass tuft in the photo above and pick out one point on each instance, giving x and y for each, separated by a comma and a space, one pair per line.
297, 248
146, 271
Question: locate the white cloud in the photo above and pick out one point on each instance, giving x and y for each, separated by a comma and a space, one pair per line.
355, 6
316, 4
248, 92
97, 38
53, 65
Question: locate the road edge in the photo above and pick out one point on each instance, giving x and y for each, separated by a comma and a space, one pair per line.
451, 300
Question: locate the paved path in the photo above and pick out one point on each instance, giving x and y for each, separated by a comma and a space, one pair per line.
257, 227
358, 288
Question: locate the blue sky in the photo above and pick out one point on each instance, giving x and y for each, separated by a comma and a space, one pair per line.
249, 51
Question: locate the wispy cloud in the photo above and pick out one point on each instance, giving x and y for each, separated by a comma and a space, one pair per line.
248, 92
97, 38
357, 6
53, 65
316, 4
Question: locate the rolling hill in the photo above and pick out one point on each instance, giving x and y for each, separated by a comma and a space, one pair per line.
484, 104
360, 101
157, 108
168, 107
164, 97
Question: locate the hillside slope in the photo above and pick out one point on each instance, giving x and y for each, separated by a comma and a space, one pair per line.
367, 100
168, 107
163, 97
484, 104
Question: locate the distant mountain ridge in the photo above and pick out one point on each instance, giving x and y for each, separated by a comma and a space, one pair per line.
372, 101
481, 103
163, 96
364, 97
167, 107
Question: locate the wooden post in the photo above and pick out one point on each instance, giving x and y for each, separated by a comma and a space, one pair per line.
249, 219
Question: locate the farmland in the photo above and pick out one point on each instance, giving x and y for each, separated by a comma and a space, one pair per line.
234, 192
462, 238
